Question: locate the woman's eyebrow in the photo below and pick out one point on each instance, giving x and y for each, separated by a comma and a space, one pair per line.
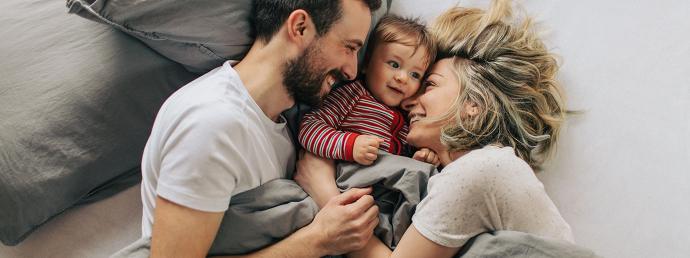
430, 74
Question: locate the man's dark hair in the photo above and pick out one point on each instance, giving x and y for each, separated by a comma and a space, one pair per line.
269, 15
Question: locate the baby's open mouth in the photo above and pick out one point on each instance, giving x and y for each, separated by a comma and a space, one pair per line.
397, 90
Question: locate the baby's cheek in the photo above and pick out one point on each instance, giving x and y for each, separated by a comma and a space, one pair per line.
414, 87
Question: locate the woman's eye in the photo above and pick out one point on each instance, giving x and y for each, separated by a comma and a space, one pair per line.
428, 85
394, 64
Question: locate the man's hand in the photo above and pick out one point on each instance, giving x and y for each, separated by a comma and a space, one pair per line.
366, 149
428, 156
346, 222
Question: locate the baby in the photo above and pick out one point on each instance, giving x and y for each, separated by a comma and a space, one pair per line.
358, 119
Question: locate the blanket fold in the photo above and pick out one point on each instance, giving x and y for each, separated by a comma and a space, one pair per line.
272, 211
264, 215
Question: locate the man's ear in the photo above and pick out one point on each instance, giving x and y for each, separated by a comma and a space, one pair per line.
300, 27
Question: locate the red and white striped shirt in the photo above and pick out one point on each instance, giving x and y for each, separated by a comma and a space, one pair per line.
346, 113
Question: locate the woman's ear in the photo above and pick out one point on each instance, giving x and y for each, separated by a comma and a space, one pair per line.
471, 109
300, 27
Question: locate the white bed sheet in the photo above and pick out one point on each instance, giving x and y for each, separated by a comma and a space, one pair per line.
621, 176
94, 230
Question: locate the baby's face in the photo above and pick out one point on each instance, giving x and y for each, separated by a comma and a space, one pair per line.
394, 72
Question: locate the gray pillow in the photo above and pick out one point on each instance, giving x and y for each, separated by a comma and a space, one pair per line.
77, 101
199, 34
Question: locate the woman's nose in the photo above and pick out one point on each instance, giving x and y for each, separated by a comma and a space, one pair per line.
409, 103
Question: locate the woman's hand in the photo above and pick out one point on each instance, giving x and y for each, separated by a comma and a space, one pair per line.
316, 175
428, 156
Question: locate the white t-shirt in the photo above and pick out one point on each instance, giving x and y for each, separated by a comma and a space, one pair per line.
486, 190
209, 142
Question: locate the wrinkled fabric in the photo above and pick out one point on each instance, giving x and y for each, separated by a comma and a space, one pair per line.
77, 101
514, 244
272, 211
264, 215
200, 34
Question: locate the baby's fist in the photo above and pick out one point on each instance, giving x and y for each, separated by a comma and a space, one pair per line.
366, 149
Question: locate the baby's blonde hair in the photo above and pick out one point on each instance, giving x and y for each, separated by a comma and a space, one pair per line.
406, 31
505, 69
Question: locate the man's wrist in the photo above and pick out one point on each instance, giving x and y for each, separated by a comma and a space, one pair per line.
310, 235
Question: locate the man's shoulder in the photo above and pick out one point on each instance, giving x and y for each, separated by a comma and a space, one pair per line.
207, 118
208, 100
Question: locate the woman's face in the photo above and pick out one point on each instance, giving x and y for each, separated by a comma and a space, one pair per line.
436, 97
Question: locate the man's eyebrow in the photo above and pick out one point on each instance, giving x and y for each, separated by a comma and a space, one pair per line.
357, 42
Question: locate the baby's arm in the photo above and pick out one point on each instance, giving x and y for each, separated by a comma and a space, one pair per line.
320, 131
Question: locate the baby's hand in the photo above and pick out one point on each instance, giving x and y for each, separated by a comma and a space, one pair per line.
427, 155
366, 149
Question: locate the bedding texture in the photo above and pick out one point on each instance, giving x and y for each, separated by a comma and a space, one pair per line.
263, 215
77, 101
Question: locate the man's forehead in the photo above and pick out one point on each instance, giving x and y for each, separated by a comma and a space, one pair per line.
354, 24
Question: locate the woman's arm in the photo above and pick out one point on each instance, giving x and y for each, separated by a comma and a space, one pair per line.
412, 245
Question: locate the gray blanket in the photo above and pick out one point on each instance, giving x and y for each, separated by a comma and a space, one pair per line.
272, 211
264, 215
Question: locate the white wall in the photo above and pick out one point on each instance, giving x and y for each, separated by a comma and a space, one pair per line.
621, 176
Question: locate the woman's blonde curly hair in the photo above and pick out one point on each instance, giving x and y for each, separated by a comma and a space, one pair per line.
505, 69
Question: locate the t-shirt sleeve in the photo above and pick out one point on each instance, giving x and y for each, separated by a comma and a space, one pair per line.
454, 209
200, 159
487, 190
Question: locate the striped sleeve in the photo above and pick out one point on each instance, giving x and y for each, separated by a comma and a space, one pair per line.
320, 129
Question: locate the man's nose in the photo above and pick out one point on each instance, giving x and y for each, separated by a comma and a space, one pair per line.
350, 68
409, 103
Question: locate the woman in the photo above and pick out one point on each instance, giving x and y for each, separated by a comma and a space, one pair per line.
491, 109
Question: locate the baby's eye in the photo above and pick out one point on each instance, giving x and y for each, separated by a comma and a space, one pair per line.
416, 75
394, 64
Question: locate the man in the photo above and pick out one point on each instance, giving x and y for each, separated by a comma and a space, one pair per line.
222, 134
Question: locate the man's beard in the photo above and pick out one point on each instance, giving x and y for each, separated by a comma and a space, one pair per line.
303, 78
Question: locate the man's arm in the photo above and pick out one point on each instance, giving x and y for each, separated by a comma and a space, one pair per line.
345, 223
179, 231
